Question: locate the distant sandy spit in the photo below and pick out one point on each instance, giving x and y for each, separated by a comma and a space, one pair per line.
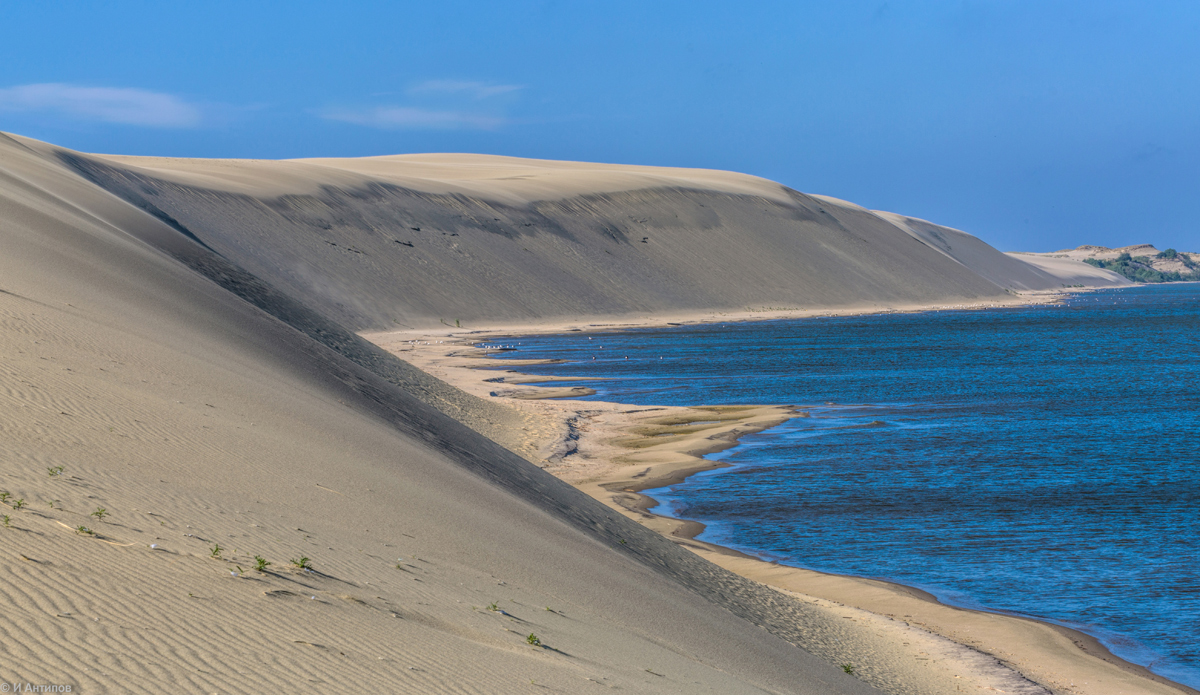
1073, 272
613, 451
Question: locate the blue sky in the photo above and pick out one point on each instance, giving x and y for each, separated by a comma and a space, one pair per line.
1035, 125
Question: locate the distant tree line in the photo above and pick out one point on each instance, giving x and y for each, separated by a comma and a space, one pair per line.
1141, 269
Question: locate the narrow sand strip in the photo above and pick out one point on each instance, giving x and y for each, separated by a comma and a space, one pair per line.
613, 451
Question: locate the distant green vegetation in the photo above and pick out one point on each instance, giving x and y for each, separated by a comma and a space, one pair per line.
1139, 268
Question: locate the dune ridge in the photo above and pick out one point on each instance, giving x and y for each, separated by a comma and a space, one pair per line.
412, 241
184, 361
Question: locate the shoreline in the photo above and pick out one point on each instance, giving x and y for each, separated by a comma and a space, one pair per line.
1056, 657
686, 532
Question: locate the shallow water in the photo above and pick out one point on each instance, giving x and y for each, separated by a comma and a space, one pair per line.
1043, 460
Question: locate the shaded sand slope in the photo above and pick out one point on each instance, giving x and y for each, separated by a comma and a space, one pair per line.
190, 401
1016, 272
408, 241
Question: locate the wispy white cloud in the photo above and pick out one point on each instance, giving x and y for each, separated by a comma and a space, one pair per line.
124, 105
435, 105
475, 90
412, 118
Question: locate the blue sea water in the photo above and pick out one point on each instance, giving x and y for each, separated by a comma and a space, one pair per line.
1043, 461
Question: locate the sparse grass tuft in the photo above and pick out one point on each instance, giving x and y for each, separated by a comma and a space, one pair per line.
55, 471
303, 563
848, 668
19, 503
260, 563
84, 531
100, 513
216, 551
4, 496
6, 520
533, 640
493, 607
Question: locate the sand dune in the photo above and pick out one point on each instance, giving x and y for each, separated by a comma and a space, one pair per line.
197, 419
181, 372
409, 241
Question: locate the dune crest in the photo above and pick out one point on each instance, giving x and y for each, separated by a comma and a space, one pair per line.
410, 241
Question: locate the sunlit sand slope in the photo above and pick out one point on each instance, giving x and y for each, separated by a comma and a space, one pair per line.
1071, 272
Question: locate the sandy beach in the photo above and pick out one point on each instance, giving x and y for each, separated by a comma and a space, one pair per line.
613, 452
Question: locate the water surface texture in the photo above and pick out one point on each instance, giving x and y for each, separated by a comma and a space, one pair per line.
1042, 461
